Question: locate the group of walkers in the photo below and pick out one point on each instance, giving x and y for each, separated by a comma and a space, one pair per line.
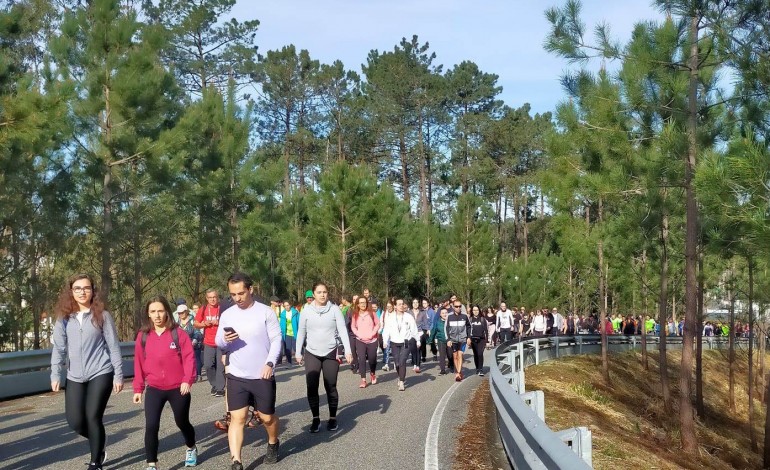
238, 344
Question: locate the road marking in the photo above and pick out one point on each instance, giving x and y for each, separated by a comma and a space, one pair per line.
431, 440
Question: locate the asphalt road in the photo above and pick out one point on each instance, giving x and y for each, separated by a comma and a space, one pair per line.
379, 427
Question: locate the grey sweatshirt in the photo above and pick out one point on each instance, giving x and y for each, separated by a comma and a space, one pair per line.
87, 350
321, 326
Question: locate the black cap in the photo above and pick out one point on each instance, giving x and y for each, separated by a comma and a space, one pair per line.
181, 301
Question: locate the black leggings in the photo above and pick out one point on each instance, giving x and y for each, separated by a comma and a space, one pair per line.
444, 352
313, 367
424, 346
400, 353
154, 400
478, 345
84, 405
414, 352
366, 351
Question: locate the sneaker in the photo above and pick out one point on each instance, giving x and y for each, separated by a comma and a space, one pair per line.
443, 372
400, 386
149, 467
213, 391
224, 423
331, 425
481, 373
219, 393
271, 455
362, 384
191, 457
373, 378
315, 425
385, 368
254, 421
416, 369
435, 358
237, 465
96, 466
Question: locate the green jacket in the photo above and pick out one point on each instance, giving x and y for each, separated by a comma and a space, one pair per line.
438, 332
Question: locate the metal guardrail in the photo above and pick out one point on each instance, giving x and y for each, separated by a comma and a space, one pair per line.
28, 372
528, 441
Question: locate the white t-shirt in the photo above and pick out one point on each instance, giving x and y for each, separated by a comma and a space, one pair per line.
504, 319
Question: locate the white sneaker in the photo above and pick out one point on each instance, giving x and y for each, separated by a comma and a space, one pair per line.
400, 386
385, 368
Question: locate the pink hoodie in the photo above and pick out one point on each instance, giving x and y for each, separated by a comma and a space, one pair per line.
365, 327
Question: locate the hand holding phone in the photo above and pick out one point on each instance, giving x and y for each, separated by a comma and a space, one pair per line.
230, 334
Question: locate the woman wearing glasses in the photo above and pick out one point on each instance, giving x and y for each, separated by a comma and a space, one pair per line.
85, 339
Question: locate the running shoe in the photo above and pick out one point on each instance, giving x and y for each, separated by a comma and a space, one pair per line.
213, 391
95, 466
271, 455
224, 423
400, 386
385, 368
191, 457
315, 425
481, 373
254, 421
373, 378
443, 372
237, 465
416, 369
362, 384
219, 393
331, 425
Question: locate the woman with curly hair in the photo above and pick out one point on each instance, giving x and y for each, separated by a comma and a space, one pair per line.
85, 339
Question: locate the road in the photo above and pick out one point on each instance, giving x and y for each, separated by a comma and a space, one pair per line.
379, 427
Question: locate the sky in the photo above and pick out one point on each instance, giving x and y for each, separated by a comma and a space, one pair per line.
504, 37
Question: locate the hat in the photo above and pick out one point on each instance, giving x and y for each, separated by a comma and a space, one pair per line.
308, 294
274, 298
181, 301
181, 308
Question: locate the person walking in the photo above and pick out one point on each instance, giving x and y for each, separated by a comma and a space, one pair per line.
399, 329
321, 323
389, 308
479, 338
365, 327
207, 318
438, 334
458, 330
250, 335
289, 321
504, 323
186, 323
491, 319
421, 320
85, 339
166, 378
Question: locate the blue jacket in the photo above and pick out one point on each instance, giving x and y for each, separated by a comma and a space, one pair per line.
294, 321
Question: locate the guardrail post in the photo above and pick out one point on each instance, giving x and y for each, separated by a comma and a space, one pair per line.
537, 351
579, 440
536, 401
633, 342
580, 344
556, 345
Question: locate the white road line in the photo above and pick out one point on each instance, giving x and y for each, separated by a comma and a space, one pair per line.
431, 439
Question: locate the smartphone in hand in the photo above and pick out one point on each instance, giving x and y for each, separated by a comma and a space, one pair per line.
229, 330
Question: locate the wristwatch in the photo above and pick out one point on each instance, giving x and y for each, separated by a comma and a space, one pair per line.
270, 364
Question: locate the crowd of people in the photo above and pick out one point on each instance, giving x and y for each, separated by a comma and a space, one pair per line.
238, 341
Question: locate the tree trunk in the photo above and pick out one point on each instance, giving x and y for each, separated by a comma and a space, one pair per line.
662, 317
286, 153
645, 362
686, 414
404, 170
699, 406
752, 433
602, 302
766, 455
137, 278
424, 206
343, 252
731, 341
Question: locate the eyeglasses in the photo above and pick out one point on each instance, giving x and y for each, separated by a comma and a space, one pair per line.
458, 306
80, 290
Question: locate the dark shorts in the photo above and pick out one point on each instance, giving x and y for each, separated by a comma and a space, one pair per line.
458, 346
259, 393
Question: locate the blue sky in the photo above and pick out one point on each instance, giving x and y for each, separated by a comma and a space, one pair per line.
504, 37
